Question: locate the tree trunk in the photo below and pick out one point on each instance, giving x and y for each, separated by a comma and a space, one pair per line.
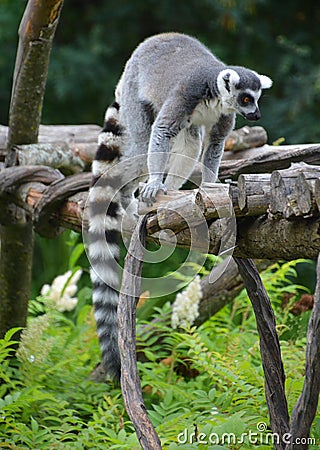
36, 33
15, 274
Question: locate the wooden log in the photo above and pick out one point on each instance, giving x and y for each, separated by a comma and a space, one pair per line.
285, 191
273, 159
69, 133
305, 191
259, 238
254, 193
268, 238
58, 156
179, 210
246, 137
317, 193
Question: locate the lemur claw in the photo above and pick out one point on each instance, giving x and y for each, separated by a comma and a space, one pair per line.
149, 192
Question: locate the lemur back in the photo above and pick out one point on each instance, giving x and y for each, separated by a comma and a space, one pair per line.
175, 103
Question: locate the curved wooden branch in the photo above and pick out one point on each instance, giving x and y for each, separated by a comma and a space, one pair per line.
130, 382
13, 177
306, 406
52, 199
270, 349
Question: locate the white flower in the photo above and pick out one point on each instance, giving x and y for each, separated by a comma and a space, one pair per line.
186, 305
62, 289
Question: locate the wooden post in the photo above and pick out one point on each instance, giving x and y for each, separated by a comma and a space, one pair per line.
130, 381
36, 33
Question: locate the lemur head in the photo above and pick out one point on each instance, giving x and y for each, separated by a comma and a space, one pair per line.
240, 89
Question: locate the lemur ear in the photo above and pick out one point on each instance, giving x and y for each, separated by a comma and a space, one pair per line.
265, 81
227, 78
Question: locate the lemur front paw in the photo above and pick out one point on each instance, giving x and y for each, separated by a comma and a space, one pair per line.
150, 190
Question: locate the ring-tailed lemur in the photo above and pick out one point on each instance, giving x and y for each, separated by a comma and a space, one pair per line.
173, 98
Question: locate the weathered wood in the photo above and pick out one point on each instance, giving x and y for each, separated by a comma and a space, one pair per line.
269, 348
306, 407
254, 193
52, 199
305, 191
130, 382
13, 182
317, 192
270, 160
267, 238
58, 156
13, 177
36, 34
261, 237
246, 137
286, 188
69, 215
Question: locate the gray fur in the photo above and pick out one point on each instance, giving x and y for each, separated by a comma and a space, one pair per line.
173, 98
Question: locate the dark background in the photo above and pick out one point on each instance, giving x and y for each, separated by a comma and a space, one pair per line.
95, 38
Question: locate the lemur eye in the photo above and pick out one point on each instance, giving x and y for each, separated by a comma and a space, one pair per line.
245, 99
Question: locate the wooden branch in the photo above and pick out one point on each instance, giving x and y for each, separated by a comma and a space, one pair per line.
306, 406
53, 198
36, 33
130, 382
270, 350
273, 159
246, 137
58, 156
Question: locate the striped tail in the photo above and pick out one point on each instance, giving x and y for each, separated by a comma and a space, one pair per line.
104, 224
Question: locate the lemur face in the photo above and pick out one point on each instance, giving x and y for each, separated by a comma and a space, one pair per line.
240, 90
247, 104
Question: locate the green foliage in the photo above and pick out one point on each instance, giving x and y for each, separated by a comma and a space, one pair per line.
199, 383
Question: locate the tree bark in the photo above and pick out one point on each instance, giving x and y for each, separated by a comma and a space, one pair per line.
15, 274
246, 138
270, 350
274, 158
130, 381
36, 33
306, 406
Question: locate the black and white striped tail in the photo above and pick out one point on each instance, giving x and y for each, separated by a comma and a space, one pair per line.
104, 225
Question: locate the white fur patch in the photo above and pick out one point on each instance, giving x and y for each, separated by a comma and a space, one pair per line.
99, 223
102, 272
111, 113
103, 250
206, 113
102, 193
265, 81
99, 167
227, 77
108, 138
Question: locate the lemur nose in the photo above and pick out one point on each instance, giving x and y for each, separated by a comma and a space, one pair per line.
256, 115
